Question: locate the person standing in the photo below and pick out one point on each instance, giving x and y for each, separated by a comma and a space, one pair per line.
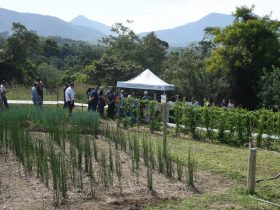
1, 103
89, 98
66, 85
69, 96
40, 91
230, 104
101, 101
3, 92
94, 98
194, 102
111, 102
146, 96
144, 106
35, 95
210, 102
224, 103
170, 106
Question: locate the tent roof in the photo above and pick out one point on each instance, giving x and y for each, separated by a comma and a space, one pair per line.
146, 80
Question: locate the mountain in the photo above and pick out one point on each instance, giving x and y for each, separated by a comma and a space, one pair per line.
48, 26
84, 21
194, 31
84, 29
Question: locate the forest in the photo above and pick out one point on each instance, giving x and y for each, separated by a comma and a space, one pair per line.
239, 62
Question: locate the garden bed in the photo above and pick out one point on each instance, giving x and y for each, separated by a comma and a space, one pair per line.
21, 191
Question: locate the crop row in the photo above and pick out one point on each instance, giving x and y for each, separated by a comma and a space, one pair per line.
68, 155
233, 126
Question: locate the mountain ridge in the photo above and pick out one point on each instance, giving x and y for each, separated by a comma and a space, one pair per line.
46, 25
84, 21
193, 31
84, 29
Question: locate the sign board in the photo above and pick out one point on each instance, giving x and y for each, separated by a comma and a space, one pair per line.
163, 98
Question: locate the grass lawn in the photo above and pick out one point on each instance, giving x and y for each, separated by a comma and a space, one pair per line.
24, 93
231, 163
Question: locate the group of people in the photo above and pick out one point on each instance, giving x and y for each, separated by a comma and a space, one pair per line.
208, 103
229, 103
97, 99
3, 95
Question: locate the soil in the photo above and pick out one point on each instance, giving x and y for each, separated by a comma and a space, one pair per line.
21, 191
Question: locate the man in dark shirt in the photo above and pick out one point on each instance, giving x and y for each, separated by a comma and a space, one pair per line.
94, 98
111, 102
89, 98
40, 92
146, 96
101, 101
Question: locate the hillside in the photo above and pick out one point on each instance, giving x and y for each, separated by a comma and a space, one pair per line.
84, 21
48, 26
82, 28
192, 32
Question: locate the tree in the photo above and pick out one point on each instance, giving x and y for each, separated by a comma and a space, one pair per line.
245, 50
187, 71
153, 52
109, 70
68, 77
22, 44
270, 87
50, 48
124, 45
126, 55
20, 52
49, 75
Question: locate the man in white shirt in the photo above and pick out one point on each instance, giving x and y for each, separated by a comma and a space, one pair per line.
69, 98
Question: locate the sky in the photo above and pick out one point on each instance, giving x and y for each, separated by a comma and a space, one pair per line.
147, 15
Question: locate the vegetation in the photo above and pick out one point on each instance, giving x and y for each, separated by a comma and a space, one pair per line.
239, 62
246, 50
230, 162
66, 153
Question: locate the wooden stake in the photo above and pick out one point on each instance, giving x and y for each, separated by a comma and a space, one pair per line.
164, 130
251, 182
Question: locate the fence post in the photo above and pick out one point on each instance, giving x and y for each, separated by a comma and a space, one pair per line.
164, 130
251, 181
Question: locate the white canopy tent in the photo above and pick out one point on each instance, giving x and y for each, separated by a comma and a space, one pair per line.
147, 80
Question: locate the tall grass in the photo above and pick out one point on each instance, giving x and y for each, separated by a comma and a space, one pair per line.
105, 176
136, 151
58, 160
190, 166
118, 167
149, 178
88, 121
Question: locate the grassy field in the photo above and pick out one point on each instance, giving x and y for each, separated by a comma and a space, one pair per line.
24, 93
230, 163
